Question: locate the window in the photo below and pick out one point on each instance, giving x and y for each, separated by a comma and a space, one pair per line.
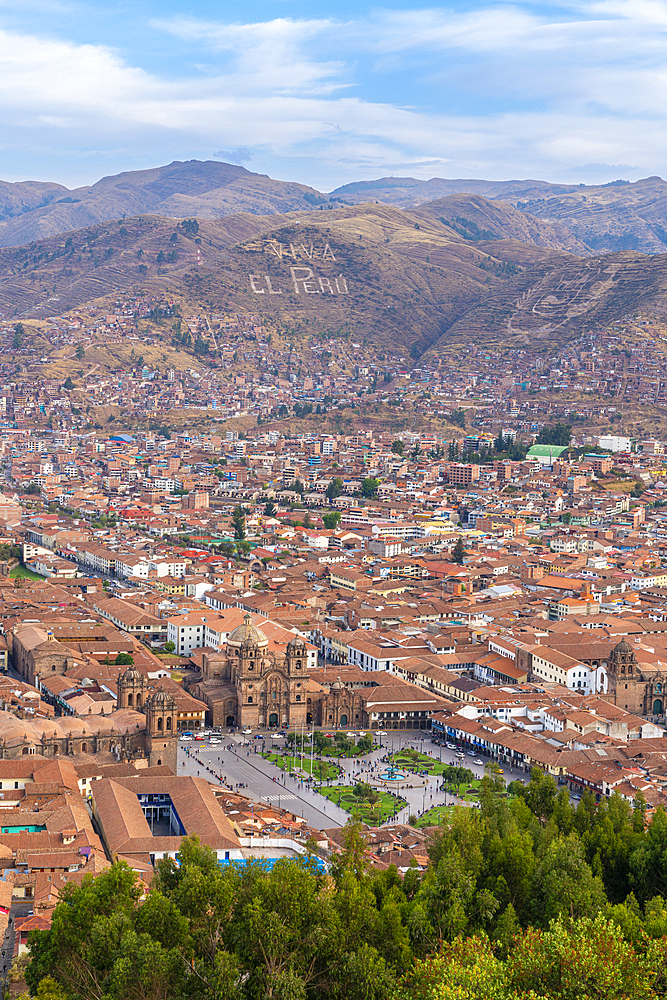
298, 697
250, 699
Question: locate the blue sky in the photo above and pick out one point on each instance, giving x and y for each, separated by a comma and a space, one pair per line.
326, 94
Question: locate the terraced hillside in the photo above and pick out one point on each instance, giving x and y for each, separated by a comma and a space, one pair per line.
601, 218
405, 280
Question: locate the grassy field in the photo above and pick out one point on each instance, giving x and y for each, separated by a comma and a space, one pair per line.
343, 796
434, 816
21, 573
322, 770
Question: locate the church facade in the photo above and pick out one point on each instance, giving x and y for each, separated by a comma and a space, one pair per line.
251, 686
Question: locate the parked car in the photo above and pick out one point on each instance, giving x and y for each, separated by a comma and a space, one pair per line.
246, 732
186, 739
480, 762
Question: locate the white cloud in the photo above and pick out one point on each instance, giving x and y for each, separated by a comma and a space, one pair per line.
543, 93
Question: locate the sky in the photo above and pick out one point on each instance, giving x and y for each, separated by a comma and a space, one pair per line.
325, 94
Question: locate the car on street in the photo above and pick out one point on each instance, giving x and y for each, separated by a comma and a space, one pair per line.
479, 762
214, 740
186, 739
471, 753
246, 732
381, 732
351, 735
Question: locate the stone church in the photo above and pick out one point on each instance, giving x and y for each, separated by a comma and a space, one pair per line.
142, 729
638, 687
249, 685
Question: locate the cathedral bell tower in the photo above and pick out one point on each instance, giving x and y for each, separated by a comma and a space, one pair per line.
131, 690
161, 730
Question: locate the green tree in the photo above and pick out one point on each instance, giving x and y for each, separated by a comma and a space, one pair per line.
169, 647
124, 660
80, 352
397, 447
648, 860
369, 487
331, 520
19, 332
577, 961
238, 522
68, 384
459, 551
564, 884
541, 794
270, 509
558, 435
458, 417
334, 489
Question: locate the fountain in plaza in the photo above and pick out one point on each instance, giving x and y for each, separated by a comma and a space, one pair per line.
393, 774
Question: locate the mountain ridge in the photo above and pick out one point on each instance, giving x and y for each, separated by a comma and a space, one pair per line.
584, 219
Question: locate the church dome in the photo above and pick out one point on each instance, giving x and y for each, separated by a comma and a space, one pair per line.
161, 701
247, 635
623, 647
132, 676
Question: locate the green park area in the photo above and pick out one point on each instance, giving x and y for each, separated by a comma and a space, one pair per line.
364, 803
435, 816
336, 745
22, 573
321, 770
412, 760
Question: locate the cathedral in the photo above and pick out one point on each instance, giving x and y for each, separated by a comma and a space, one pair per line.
248, 685
637, 687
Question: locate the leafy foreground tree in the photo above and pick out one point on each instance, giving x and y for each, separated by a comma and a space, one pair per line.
523, 899
219, 933
584, 960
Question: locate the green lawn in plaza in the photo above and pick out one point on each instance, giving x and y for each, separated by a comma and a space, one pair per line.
417, 762
322, 770
434, 816
373, 815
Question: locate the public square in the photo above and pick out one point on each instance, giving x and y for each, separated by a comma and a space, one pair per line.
237, 763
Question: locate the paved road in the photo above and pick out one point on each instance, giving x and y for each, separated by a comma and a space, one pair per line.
263, 781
